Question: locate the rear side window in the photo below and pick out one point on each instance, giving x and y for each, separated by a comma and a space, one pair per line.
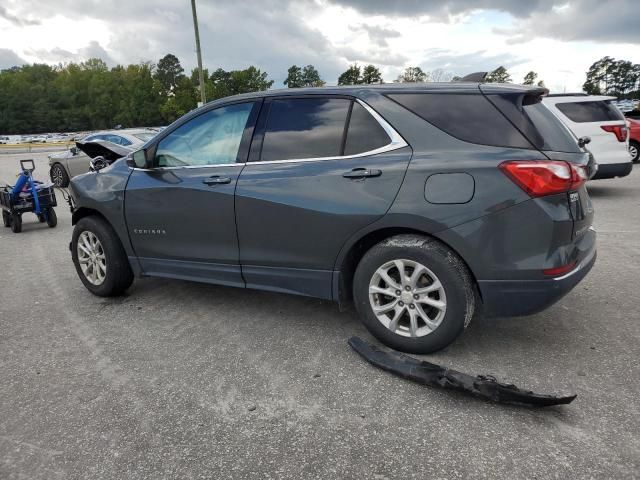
299, 128
471, 118
365, 133
584, 112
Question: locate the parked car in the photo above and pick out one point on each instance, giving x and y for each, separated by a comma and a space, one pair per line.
66, 165
4, 140
423, 204
634, 139
598, 118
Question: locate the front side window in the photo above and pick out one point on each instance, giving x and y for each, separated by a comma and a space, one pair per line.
300, 128
212, 138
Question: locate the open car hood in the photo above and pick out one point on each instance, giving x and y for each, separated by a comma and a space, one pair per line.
110, 151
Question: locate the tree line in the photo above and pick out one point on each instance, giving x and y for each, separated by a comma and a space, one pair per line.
91, 96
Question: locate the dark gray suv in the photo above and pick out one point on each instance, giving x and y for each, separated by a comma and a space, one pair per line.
424, 204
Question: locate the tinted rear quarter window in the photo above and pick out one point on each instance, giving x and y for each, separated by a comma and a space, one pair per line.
365, 133
468, 117
299, 128
584, 112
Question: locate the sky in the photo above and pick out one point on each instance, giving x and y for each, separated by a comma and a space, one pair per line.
558, 39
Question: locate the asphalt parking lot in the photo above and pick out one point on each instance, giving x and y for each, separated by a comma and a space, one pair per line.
183, 380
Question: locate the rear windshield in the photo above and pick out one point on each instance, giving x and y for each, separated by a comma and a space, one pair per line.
596, 111
555, 136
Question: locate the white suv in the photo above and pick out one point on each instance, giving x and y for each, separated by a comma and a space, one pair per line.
596, 117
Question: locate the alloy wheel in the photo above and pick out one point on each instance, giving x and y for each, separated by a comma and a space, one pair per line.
407, 298
91, 258
633, 151
57, 175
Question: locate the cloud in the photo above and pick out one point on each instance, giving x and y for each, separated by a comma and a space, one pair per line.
21, 22
465, 63
596, 20
444, 9
59, 55
9, 58
377, 34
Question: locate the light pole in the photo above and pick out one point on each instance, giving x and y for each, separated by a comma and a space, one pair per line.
203, 98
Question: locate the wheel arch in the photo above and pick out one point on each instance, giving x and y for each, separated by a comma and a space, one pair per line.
350, 257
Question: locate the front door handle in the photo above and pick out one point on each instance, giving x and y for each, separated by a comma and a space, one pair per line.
362, 173
216, 180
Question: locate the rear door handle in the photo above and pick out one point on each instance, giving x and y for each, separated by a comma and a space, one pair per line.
216, 180
362, 173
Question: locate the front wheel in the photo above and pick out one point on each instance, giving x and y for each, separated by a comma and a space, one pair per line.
99, 258
634, 151
413, 293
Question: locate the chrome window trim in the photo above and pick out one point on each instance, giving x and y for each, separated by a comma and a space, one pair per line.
396, 143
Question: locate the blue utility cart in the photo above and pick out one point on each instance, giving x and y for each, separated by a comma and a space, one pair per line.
27, 195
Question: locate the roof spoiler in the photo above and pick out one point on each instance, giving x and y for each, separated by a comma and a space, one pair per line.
476, 77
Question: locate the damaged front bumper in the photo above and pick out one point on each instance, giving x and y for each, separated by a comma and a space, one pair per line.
431, 374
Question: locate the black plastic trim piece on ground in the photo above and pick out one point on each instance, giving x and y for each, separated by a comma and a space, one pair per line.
431, 374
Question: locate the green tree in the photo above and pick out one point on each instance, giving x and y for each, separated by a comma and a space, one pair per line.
499, 75
311, 77
412, 75
294, 77
371, 74
224, 83
351, 76
169, 72
530, 78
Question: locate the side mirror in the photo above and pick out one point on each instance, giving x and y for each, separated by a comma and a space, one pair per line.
139, 159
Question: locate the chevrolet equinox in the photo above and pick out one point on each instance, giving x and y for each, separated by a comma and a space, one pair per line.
424, 204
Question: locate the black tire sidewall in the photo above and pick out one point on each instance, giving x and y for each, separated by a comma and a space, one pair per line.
436, 258
16, 223
118, 276
52, 218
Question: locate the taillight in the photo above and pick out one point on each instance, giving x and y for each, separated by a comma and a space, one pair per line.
620, 131
554, 272
544, 177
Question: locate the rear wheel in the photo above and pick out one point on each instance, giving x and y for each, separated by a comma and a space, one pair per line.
99, 258
634, 151
16, 223
413, 293
6, 219
59, 176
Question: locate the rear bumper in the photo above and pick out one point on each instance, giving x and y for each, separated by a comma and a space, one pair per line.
611, 170
512, 298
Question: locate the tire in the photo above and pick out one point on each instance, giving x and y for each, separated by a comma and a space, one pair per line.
116, 275
16, 223
59, 176
6, 219
451, 303
634, 150
52, 218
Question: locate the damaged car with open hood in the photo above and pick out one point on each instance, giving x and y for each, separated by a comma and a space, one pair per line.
423, 204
